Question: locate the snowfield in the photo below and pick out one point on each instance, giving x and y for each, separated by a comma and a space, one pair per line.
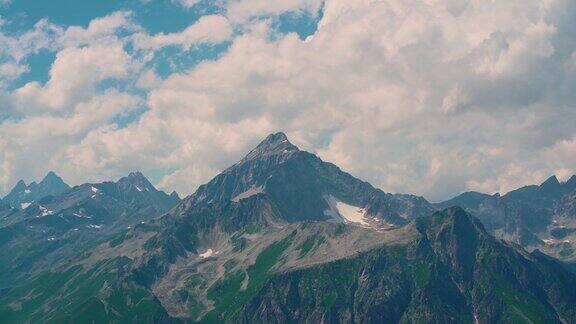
206, 254
351, 213
344, 212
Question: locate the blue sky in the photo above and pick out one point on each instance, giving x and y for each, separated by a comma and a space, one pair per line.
432, 98
155, 16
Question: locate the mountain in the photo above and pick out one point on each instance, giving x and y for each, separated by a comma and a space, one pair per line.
282, 236
303, 187
537, 217
57, 227
22, 195
5, 209
469, 200
452, 272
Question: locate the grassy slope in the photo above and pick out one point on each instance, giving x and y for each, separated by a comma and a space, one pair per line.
78, 296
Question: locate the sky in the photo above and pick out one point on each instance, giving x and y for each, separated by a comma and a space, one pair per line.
430, 97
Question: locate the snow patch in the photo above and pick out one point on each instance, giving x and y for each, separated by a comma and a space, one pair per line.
44, 211
351, 213
94, 226
207, 254
24, 205
81, 216
27, 191
248, 193
138, 188
345, 212
94, 190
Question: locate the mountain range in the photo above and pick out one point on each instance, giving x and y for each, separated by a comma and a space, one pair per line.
282, 236
537, 217
22, 195
56, 227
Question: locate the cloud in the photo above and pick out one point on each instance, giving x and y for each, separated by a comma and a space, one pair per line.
100, 28
38, 121
426, 97
187, 3
411, 94
208, 29
45, 35
31, 146
74, 76
563, 157
242, 10
41, 36
12, 70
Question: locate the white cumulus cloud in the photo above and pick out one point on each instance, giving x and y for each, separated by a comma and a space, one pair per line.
208, 29
427, 97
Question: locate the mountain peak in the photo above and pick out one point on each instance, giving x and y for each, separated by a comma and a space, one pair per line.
136, 175
551, 185
136, 178
552, 181
49, 186
277, 137
51, 174
273, 144
455, 217
20, 186
51, 177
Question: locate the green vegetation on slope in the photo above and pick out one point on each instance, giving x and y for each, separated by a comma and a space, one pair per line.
80, 296
228, 295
